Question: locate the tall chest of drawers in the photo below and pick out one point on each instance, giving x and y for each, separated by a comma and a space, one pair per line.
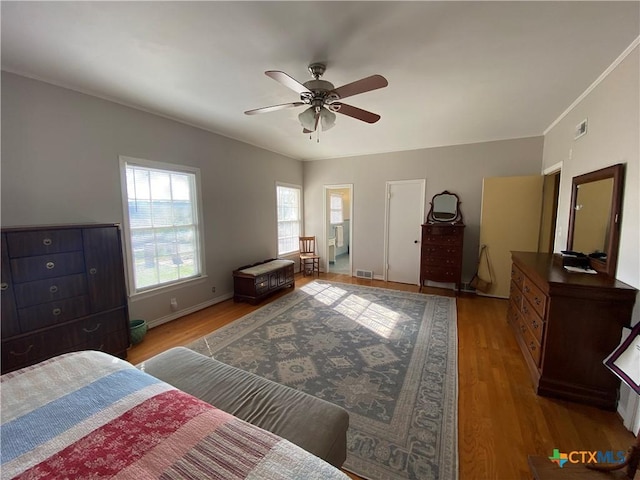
566, 324
63, 290
441, 253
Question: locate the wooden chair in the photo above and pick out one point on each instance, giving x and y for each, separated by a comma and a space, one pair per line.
308, 258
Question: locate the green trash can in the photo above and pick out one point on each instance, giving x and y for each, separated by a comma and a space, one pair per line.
138, 329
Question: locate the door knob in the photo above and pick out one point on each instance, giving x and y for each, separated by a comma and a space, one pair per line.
415, 241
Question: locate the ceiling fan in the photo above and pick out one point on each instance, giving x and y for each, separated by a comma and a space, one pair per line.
323, 99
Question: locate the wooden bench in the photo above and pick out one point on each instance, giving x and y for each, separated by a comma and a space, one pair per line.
252, 283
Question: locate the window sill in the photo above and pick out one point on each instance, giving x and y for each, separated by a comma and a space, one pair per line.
134, 297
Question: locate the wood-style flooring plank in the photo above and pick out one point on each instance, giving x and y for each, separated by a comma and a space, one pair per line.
500, 418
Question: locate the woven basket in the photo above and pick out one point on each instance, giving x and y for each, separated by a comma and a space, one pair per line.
138, 329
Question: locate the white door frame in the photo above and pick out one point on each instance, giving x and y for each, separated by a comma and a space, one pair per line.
423, 183
327, 219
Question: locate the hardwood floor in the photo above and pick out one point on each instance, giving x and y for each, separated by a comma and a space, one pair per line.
500, 418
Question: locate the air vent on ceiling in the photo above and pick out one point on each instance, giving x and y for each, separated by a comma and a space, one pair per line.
364, 274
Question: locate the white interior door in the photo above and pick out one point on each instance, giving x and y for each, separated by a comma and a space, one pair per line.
405, 215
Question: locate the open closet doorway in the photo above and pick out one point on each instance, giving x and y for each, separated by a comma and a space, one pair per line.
338, 209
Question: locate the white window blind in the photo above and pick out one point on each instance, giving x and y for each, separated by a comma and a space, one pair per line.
162, 227
289, 218
335, 201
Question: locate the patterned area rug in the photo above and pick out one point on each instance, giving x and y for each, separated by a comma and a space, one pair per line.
388, 357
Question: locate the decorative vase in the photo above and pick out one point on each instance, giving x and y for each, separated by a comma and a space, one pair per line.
138, 329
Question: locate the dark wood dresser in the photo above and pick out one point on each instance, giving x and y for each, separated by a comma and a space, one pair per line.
566, 324
441, 253
63, 289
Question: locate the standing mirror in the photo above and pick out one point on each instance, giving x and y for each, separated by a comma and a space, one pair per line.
594, 219
445, 208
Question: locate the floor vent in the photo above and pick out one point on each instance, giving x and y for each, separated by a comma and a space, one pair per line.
364, 274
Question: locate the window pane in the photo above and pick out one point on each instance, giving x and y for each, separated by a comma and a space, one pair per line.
335, 202
289, 218
163, 226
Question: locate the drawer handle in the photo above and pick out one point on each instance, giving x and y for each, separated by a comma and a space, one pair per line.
525, 309
56, 311
93, 271
91, 330
4, 286
537, 300
526, 289
532, 346
53, 289
523, 328
22, 353
535, 324
47, 242
50, 265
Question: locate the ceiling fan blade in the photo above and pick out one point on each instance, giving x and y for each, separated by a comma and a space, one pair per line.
273, 108
287, 81
360, 86
357, 113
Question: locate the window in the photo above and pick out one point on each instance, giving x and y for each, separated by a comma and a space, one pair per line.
162, 223
335, 200
289, 218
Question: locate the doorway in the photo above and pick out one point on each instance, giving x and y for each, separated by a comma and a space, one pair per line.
404, 217
550, 192
338, 221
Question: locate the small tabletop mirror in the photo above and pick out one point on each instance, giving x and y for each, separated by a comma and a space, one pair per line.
445, 208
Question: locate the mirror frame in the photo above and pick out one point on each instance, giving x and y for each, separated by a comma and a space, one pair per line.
616, 172
457, 216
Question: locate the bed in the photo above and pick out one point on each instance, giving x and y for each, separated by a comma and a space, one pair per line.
91, 415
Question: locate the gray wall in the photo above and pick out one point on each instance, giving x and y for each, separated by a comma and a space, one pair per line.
613, 136
60, 165
459, 169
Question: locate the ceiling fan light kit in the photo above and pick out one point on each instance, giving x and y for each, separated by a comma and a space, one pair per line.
323, 99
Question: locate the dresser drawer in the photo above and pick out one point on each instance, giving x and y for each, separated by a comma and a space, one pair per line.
436, 254
442, 274
97, 327
115, 344
515, 294
48, 314
443, 239
533, 346
46, 266
517, 276
533, 321
41, 242
514, 315
537, 299
50, 290
30, 349
445, 230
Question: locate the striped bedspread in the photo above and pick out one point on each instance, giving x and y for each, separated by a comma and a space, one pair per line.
88, 415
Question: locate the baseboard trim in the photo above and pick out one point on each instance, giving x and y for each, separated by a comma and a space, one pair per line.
175, 315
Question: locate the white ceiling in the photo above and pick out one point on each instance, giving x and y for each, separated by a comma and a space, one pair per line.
458, 72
